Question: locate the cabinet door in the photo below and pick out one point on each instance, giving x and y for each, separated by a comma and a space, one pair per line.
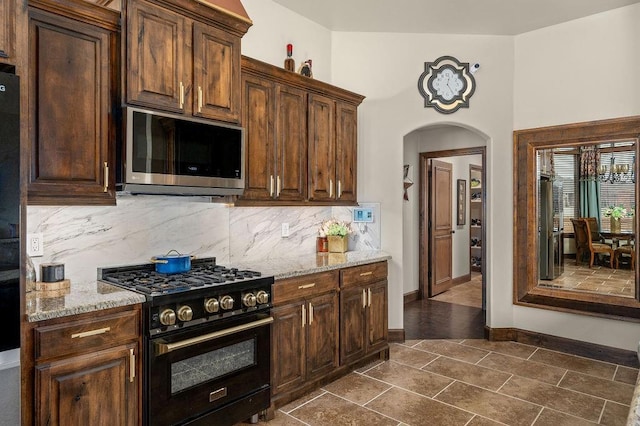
216, 78
322, 148
322, 335
7, 31
157, 55
353, 324
346, 151
95, 389
257, 118
288, 347
377, 327
70, 102
291, 140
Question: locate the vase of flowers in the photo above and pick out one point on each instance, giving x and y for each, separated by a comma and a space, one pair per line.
336, 232
615, 214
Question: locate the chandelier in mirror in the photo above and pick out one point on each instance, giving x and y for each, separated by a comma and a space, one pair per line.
622, 171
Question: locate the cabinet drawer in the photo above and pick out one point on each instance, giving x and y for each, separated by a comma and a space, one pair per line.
86, 335
304, 286
359, 275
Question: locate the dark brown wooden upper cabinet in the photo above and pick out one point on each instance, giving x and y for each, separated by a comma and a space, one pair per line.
184, 57
301, 137
274, 118
73, 58
7, 31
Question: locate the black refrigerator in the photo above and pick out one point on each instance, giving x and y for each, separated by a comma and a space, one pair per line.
9, 248
550, 226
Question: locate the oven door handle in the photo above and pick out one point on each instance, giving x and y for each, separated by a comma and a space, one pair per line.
165, 348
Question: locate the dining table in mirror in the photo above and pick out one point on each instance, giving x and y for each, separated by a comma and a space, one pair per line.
575, 223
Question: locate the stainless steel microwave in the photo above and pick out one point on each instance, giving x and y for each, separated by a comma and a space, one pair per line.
172, 154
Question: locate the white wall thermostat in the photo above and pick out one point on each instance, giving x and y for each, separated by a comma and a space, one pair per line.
363, 214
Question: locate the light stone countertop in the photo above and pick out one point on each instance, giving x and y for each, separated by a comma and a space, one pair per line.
98, 295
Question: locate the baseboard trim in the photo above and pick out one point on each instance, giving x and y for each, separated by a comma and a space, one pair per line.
461, 279
396, 335
412, 296
562, 344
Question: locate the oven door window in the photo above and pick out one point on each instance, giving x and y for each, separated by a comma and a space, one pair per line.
212, 365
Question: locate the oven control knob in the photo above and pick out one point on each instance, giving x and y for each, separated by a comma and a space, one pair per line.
167, 317
249, 300
185, 313
211, 305
262, 297
226, 302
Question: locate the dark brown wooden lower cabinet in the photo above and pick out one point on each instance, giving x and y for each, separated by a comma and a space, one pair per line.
91, 389
324, 327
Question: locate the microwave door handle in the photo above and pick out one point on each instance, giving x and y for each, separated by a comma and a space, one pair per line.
164, 348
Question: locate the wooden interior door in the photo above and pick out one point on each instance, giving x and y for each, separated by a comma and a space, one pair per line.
440, 230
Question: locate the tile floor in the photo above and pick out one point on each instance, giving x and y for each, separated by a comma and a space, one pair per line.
467, 294
473, 383
599, 279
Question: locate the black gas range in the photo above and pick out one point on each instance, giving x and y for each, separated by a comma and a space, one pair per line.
207, 342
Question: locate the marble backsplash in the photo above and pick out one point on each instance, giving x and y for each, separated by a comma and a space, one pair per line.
140, 226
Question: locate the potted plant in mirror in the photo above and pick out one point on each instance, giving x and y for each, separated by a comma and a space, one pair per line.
337, 233
615, 213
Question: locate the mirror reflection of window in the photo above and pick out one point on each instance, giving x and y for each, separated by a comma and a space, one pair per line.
594, 182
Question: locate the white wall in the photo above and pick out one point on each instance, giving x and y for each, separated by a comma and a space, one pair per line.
582, 70
275, 26
385, 68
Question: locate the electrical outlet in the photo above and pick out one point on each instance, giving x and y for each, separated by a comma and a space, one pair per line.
285, 230
35, 245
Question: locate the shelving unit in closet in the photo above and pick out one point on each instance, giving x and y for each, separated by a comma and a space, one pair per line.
475, 212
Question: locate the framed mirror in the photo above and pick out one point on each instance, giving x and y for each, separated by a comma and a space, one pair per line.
575, 223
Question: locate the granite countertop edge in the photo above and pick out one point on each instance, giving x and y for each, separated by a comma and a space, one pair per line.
96, 296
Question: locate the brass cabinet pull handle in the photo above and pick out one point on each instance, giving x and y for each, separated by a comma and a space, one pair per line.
200, 100
330, 188
364, 298
90, 333
364, 274
278, 186
369, 291
310, 313
302, 287
132, 365
181, 95
106, 177
271, 186
163, 348
304, 314
339, 188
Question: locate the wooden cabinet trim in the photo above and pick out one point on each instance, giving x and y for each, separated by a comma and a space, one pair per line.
360, 275
305, 286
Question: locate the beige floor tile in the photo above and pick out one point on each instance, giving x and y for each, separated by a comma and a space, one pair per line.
614, 414
607, 389
282, 419
409, 356
554, 418
533, 370
575, 363
626, 375
564, 400
298, 402
452, 350
411, 342
417, 410
357, 388
508, 348
331, 410
481, 421
369, 366
409, 378
489, 404
468, 373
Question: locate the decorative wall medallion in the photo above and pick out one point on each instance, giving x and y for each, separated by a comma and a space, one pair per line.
446, 84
